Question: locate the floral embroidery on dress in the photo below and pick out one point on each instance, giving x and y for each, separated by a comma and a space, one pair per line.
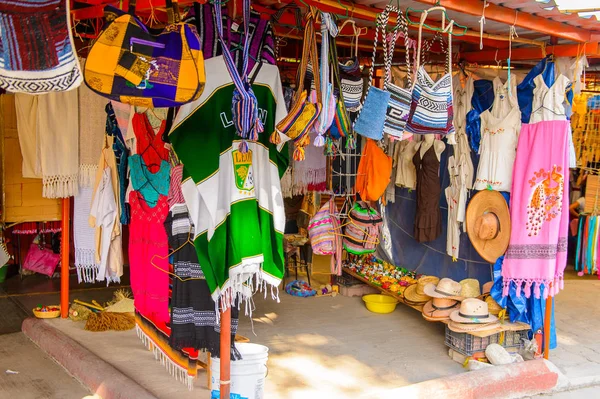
545, 202
490, 182
496, 131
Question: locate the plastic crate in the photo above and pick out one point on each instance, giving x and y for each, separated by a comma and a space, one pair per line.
347, 280
468, 344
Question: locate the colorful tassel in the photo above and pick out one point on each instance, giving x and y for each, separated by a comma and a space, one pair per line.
319, 140
299, 154
275, 138
351, 142
329, 147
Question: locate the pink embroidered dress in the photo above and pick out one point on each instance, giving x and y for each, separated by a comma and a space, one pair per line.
147, 238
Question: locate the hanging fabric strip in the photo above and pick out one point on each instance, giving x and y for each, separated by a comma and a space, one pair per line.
244, 103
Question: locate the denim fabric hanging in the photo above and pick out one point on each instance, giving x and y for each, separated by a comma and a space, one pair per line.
527, 310
482, 100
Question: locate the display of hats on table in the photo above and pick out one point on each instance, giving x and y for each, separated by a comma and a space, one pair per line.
488, 224
445, 299
473, 315
415, 294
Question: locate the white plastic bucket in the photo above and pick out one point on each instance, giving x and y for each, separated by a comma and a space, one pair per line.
247, 375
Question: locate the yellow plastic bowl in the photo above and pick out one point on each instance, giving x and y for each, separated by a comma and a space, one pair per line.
378, 303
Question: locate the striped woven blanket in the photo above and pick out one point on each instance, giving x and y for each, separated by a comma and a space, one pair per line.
36, 47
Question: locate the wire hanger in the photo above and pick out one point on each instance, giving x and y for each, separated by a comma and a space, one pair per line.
188, 241
445, 20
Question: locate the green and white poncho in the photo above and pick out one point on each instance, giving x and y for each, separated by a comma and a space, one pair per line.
234, 199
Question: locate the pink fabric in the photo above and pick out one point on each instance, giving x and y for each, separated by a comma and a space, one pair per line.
147, 238
175, 193
41, 260
539, 210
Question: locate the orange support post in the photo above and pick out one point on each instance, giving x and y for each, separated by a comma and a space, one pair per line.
225, 371
64, 258
547, 321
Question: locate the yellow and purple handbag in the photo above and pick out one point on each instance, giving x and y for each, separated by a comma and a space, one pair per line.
129, 64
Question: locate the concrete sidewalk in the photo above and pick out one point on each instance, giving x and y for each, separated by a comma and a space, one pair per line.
39, 377
334, 348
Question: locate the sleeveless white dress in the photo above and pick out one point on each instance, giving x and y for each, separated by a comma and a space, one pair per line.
500, 129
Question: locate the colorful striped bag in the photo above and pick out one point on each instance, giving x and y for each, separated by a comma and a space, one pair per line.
325, 238
361, 235
431, 109
303, 114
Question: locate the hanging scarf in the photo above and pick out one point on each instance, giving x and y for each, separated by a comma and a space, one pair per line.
92, 121
83, 237
310, 174
48, 127
244, 104
537, 253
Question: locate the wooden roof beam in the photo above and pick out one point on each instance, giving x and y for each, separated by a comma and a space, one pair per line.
341, 7
288, 19
592, 50
521, 19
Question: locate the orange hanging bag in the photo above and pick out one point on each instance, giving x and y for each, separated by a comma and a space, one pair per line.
374, 172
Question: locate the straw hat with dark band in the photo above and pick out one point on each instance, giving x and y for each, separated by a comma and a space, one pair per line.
488, 224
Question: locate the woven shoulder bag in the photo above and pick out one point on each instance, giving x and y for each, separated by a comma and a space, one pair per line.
371, 117
303, 114
431, 104
400, 99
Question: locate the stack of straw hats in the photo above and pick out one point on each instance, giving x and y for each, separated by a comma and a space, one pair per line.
447, 297
415, 294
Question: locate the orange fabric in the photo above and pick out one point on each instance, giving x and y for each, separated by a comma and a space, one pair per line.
374, 172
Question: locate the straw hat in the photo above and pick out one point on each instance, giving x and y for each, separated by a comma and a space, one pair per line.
469, 328
445, 288
438, 309
473, 311
493, 306
487, 287
470, 288
488, 224
416, 292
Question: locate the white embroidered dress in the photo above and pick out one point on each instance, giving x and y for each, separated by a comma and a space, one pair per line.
500, 129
